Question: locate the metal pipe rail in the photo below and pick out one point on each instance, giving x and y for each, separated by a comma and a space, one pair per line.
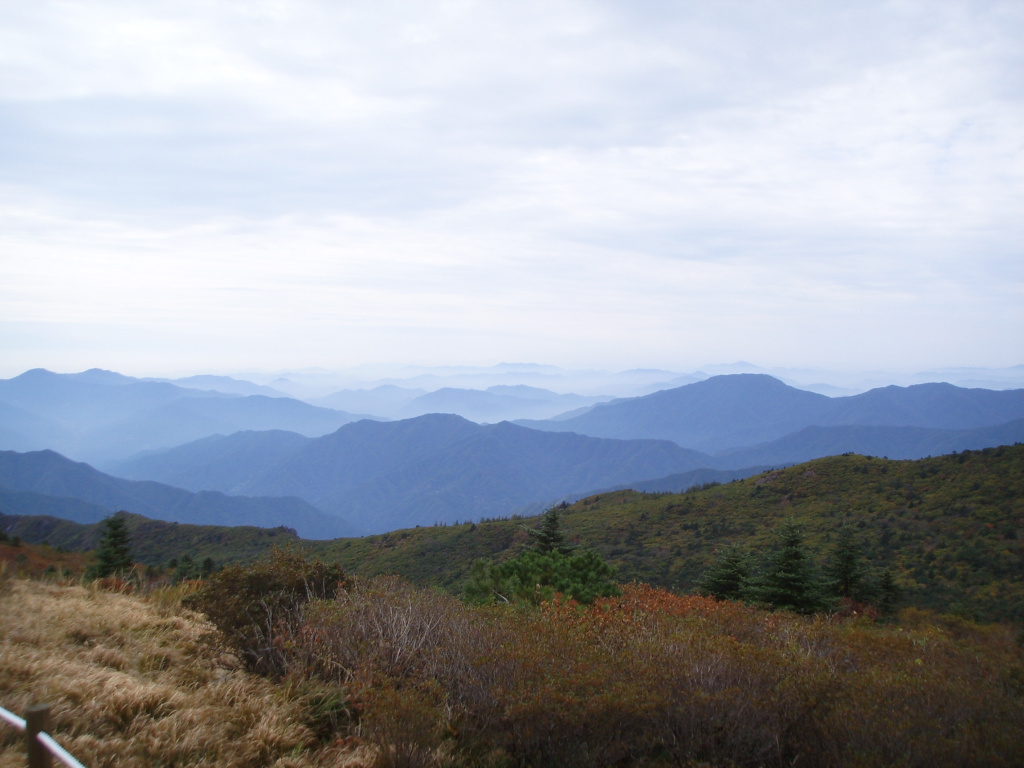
39, 744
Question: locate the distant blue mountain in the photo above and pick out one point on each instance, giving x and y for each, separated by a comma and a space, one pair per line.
206, 449
226, 385
491, 405
383, 401
44, 482
218, 462
434, 468
890, 442
726, 412
498, 403
101, 416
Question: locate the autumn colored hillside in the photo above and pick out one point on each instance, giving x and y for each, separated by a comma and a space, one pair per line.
378, 672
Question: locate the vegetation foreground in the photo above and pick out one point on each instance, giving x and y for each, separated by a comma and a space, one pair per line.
303, 665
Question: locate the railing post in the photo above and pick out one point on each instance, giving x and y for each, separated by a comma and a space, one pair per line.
37, 720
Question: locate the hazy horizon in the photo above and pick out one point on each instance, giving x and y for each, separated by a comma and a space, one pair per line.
313, 383
197, 188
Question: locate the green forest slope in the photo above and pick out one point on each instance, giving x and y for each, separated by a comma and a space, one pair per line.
951, 528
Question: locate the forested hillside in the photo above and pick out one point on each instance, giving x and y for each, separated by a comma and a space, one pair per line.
951, 528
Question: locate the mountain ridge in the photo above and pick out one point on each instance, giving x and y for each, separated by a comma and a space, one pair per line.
732, 411
51, 475
101, 416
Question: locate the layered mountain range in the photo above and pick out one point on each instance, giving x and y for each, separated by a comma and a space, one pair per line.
729, 412
46, 483
371, 475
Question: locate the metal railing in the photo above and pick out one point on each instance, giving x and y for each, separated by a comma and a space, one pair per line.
39, 745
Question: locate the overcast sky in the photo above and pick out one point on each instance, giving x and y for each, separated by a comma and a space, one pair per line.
213, 186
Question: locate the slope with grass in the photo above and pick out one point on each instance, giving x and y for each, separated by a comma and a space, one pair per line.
155, 542
133, 682
644, 678
382, 674
20, 559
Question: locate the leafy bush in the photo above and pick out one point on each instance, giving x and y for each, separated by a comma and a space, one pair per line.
405, 723
651, 678
382, 628
550, 567
258, 608
535, 577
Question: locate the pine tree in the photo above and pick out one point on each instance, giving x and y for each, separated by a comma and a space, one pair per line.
845, 573
185, 570
113, 556
537, 574
788, 580
549, 538
535, 577
727, 578
889, 592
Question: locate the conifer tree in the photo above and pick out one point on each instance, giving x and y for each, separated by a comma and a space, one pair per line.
727, 578
889, 592
537, 574
549, 537
184, 570
113, 556
788, 580
845, 572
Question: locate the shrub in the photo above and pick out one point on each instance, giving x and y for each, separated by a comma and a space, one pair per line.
535, 577
405, 723
258, 608
384, 629
649, 678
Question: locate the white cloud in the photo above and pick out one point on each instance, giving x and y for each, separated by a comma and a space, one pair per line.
582, 182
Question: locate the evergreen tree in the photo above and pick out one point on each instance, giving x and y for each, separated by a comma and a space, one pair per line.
535, 577
113, 556
845, 573
185, 570
727, 578
788, 581
549, 538
549, 567
889, 592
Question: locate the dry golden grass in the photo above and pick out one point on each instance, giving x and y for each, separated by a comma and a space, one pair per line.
131, 682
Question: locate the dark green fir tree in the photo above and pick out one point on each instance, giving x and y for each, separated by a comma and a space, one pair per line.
113, 555
788, 581
846, 574
727, 578
549, 537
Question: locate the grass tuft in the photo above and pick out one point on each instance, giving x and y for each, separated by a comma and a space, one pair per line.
132, 682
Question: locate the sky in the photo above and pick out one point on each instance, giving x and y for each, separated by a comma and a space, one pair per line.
206, 186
